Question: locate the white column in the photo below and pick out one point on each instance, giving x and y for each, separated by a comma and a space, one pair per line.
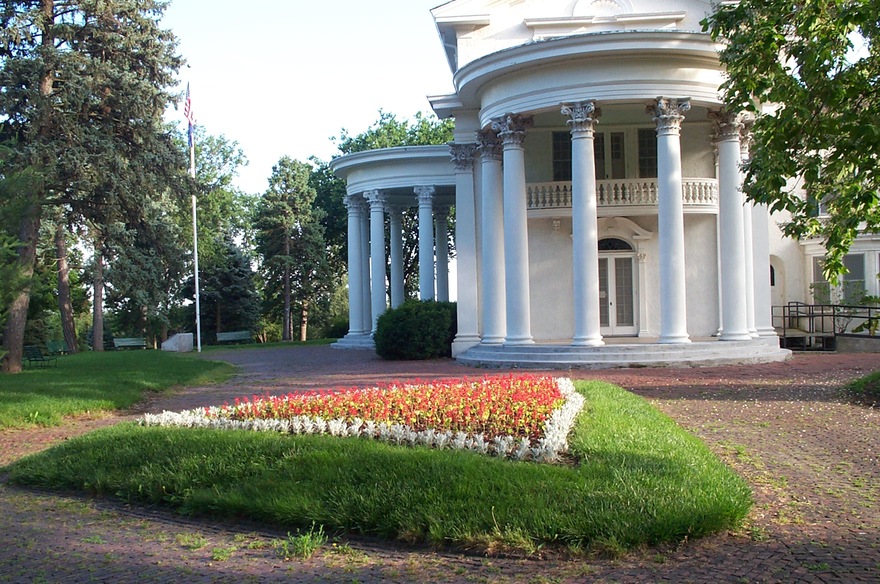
584, 231
377, 254
731, 233
354, 204
366, 301
668, 114
748, 239
748, 233
762, 299
511, 129
425, 196
441, 214
467, 290
396, 234
492, 240
643, 293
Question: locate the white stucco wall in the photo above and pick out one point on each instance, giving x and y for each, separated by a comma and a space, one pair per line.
551, 284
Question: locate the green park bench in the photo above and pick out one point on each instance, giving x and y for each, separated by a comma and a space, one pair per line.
56, 347
34, 356
235, 337
129, 343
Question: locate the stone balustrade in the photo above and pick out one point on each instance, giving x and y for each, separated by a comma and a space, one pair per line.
697, 194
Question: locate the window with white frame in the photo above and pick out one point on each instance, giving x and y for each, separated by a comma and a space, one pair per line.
850, 290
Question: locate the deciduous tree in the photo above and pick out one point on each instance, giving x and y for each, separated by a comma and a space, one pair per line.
810, 70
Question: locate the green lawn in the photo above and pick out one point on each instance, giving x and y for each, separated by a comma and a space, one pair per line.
308, 343
636, 478
90, 382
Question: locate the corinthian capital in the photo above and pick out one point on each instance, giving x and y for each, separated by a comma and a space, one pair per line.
727, 125
489, 144
425, 195
582, 115
354, 203
668, 112
511, 128
376, 199
462, 156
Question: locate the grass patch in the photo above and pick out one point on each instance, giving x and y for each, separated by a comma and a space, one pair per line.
308, 343
866, 389
94, 382
638, 479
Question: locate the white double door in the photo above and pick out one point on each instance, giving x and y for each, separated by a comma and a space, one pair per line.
617, 294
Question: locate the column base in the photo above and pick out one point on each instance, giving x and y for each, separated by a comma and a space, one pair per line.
767, 332
492, 340
462, 344
671, 340
518, 341
744, 336
588, 342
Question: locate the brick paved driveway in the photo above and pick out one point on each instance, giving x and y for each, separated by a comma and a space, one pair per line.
809, 454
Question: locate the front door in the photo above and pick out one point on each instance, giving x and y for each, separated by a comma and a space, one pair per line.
616, 295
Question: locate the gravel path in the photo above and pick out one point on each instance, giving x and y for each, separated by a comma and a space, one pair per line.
810, 456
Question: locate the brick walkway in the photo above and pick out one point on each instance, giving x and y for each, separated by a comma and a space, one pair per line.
810, 456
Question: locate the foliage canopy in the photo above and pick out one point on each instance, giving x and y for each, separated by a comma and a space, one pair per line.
810, 70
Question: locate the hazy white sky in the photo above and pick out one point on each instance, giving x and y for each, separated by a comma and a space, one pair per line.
281, 77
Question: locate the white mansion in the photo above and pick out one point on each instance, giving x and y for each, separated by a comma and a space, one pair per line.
595, 179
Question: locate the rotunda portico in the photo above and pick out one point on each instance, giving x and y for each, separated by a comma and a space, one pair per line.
596, 187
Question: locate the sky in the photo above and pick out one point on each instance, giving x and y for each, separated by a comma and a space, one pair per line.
282, 77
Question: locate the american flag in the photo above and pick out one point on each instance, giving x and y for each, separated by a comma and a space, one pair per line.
188, 114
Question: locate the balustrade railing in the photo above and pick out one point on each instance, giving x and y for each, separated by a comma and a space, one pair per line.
623, 193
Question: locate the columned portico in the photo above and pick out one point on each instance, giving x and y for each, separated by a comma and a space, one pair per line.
395, 215
355, 206
512, 131
377, 254
732, 235
492, 240
668, 113
583, 217
441, 215
467, 289
425, 197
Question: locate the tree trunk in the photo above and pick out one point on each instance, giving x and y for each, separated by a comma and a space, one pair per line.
13, 337
65, 305
29, 228
287, 331
217, 319
98, 300
304, 321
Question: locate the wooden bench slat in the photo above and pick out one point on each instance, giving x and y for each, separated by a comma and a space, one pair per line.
234, 336
130, 343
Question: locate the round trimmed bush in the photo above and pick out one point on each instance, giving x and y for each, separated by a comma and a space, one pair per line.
416, 330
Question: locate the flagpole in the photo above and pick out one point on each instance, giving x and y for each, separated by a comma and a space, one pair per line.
192, 173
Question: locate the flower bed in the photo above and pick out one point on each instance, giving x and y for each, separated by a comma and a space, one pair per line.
522, 416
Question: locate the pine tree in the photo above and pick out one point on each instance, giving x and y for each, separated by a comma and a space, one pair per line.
85, 87
290, 241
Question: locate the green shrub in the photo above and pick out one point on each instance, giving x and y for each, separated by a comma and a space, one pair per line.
416, 330
337, 329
